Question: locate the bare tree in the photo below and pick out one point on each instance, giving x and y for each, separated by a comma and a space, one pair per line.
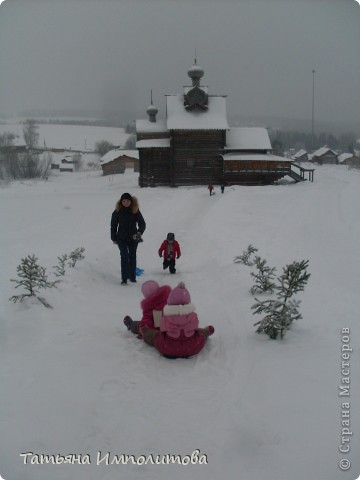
8, 156
77, 160
131, 142
31, 134
103, 147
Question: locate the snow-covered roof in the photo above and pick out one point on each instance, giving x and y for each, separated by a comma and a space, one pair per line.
321, 151
178, 118
248, 138
145, 126
254, 156
344, 156
117, 153
300, 153
154, 143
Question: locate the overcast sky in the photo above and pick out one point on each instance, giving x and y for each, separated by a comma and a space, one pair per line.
107, 54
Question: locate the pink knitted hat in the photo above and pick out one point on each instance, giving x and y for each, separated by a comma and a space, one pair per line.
179, 295
149, 288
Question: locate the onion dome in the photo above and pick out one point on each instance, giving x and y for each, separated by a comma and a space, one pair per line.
195, 73
152, 111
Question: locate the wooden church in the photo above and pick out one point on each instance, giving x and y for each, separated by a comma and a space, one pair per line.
194, 144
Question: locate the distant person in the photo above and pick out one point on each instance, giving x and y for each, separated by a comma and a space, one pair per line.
127, 226
222, 188
170, 249
211, 189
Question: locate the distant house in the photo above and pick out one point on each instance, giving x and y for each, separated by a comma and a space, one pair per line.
301, 156
344, 157
325, 155
116, 161
59, 159
352, 162
66, 164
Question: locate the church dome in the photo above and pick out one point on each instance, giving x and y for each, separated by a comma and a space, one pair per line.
196, 72
151, 110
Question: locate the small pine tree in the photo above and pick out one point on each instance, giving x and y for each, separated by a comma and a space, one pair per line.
32, 278
245, 257
280, 313
76, 255
263, 277
59, 269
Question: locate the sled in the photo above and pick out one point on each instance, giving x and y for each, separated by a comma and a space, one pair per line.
139, 272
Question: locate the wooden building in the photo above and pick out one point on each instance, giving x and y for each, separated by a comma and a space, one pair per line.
301, 156
352, 162
325, 155
195, 145
116, 161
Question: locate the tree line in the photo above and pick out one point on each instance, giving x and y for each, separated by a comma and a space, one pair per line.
283, 141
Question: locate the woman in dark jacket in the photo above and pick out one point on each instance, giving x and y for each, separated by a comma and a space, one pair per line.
127, 226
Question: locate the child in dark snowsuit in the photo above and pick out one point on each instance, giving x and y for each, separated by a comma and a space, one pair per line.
170, 249
152, 307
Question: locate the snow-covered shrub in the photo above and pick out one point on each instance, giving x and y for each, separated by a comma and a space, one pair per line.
59, 269
245, 257
264, 277
76, 255
281, 312
33, 278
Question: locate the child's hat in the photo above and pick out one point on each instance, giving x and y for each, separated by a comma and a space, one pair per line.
179, 295
170, 236
149, 288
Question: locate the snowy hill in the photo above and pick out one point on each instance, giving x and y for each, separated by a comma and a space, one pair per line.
69, 137
75, 381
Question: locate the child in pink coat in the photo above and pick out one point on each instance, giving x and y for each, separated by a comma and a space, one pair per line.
180, 335
152, 306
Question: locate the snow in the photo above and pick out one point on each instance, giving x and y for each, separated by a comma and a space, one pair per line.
154, 143
79, 137
145, 126
248, 138
117, 153
75, 381
214, 118
254, 156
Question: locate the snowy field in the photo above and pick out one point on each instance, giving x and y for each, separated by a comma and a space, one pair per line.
74, 381
70, 137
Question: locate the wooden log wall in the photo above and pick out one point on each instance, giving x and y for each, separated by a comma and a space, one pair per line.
256, 172
154, 167
151, 136
197, 156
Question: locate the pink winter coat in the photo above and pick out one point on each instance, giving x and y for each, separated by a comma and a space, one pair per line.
179, 335
155, 302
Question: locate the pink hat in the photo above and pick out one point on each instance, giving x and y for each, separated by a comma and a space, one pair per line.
149, 288
179, 296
